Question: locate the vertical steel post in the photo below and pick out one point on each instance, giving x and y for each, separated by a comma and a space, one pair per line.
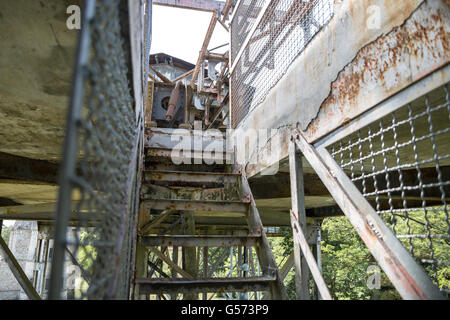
298, 206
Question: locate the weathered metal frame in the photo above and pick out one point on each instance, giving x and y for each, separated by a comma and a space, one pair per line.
406, 275
419, 89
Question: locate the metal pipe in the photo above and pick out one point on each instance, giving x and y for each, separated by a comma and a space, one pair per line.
173, 101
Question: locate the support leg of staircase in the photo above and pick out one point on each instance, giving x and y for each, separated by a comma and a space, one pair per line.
190, 252
263, 250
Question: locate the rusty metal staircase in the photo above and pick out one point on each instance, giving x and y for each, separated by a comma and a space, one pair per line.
213, 194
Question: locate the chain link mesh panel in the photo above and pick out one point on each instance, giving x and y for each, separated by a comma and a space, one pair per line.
283, 33
243, 21
401, 164
98, 241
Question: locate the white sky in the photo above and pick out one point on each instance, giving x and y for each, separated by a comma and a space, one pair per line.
180, 32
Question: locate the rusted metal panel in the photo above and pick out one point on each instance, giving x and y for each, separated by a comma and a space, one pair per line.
405, 55
173, 101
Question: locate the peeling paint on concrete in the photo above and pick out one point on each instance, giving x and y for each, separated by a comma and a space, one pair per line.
350, 68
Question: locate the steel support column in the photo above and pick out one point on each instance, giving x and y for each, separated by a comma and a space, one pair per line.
18, 272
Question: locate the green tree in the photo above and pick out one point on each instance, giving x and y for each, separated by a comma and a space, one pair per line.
6, 231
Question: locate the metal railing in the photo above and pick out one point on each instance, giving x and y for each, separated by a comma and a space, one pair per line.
95, 214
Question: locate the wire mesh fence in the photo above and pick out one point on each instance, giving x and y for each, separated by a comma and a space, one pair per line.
93, 236
401, 165
283, 33
243, 21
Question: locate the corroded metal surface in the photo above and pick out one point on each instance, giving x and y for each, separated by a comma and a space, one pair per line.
405, 55
331, 83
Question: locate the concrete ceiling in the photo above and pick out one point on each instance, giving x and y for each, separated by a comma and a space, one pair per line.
36, 62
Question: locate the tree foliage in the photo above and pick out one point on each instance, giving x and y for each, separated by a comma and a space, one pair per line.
346, 259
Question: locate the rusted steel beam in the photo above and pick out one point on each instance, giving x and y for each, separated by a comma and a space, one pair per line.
160, 75
223, 25
196, 205
18, 272
406, 275
152, 77
201, 5
148, 286
226, 10
26, 169
173, 101
201, 55
200, 241
216, 56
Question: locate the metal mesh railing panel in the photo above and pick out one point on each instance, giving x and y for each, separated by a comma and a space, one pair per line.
243, 21
401, 164
283, 33
98, 238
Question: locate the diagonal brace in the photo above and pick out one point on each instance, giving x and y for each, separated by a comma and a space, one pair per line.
406, 275
17, 271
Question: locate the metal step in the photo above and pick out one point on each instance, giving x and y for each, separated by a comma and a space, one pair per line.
200, 241
179, 285
193, 157
189, 176
196, 205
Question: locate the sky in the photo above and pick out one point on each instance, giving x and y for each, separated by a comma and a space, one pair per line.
180, 32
